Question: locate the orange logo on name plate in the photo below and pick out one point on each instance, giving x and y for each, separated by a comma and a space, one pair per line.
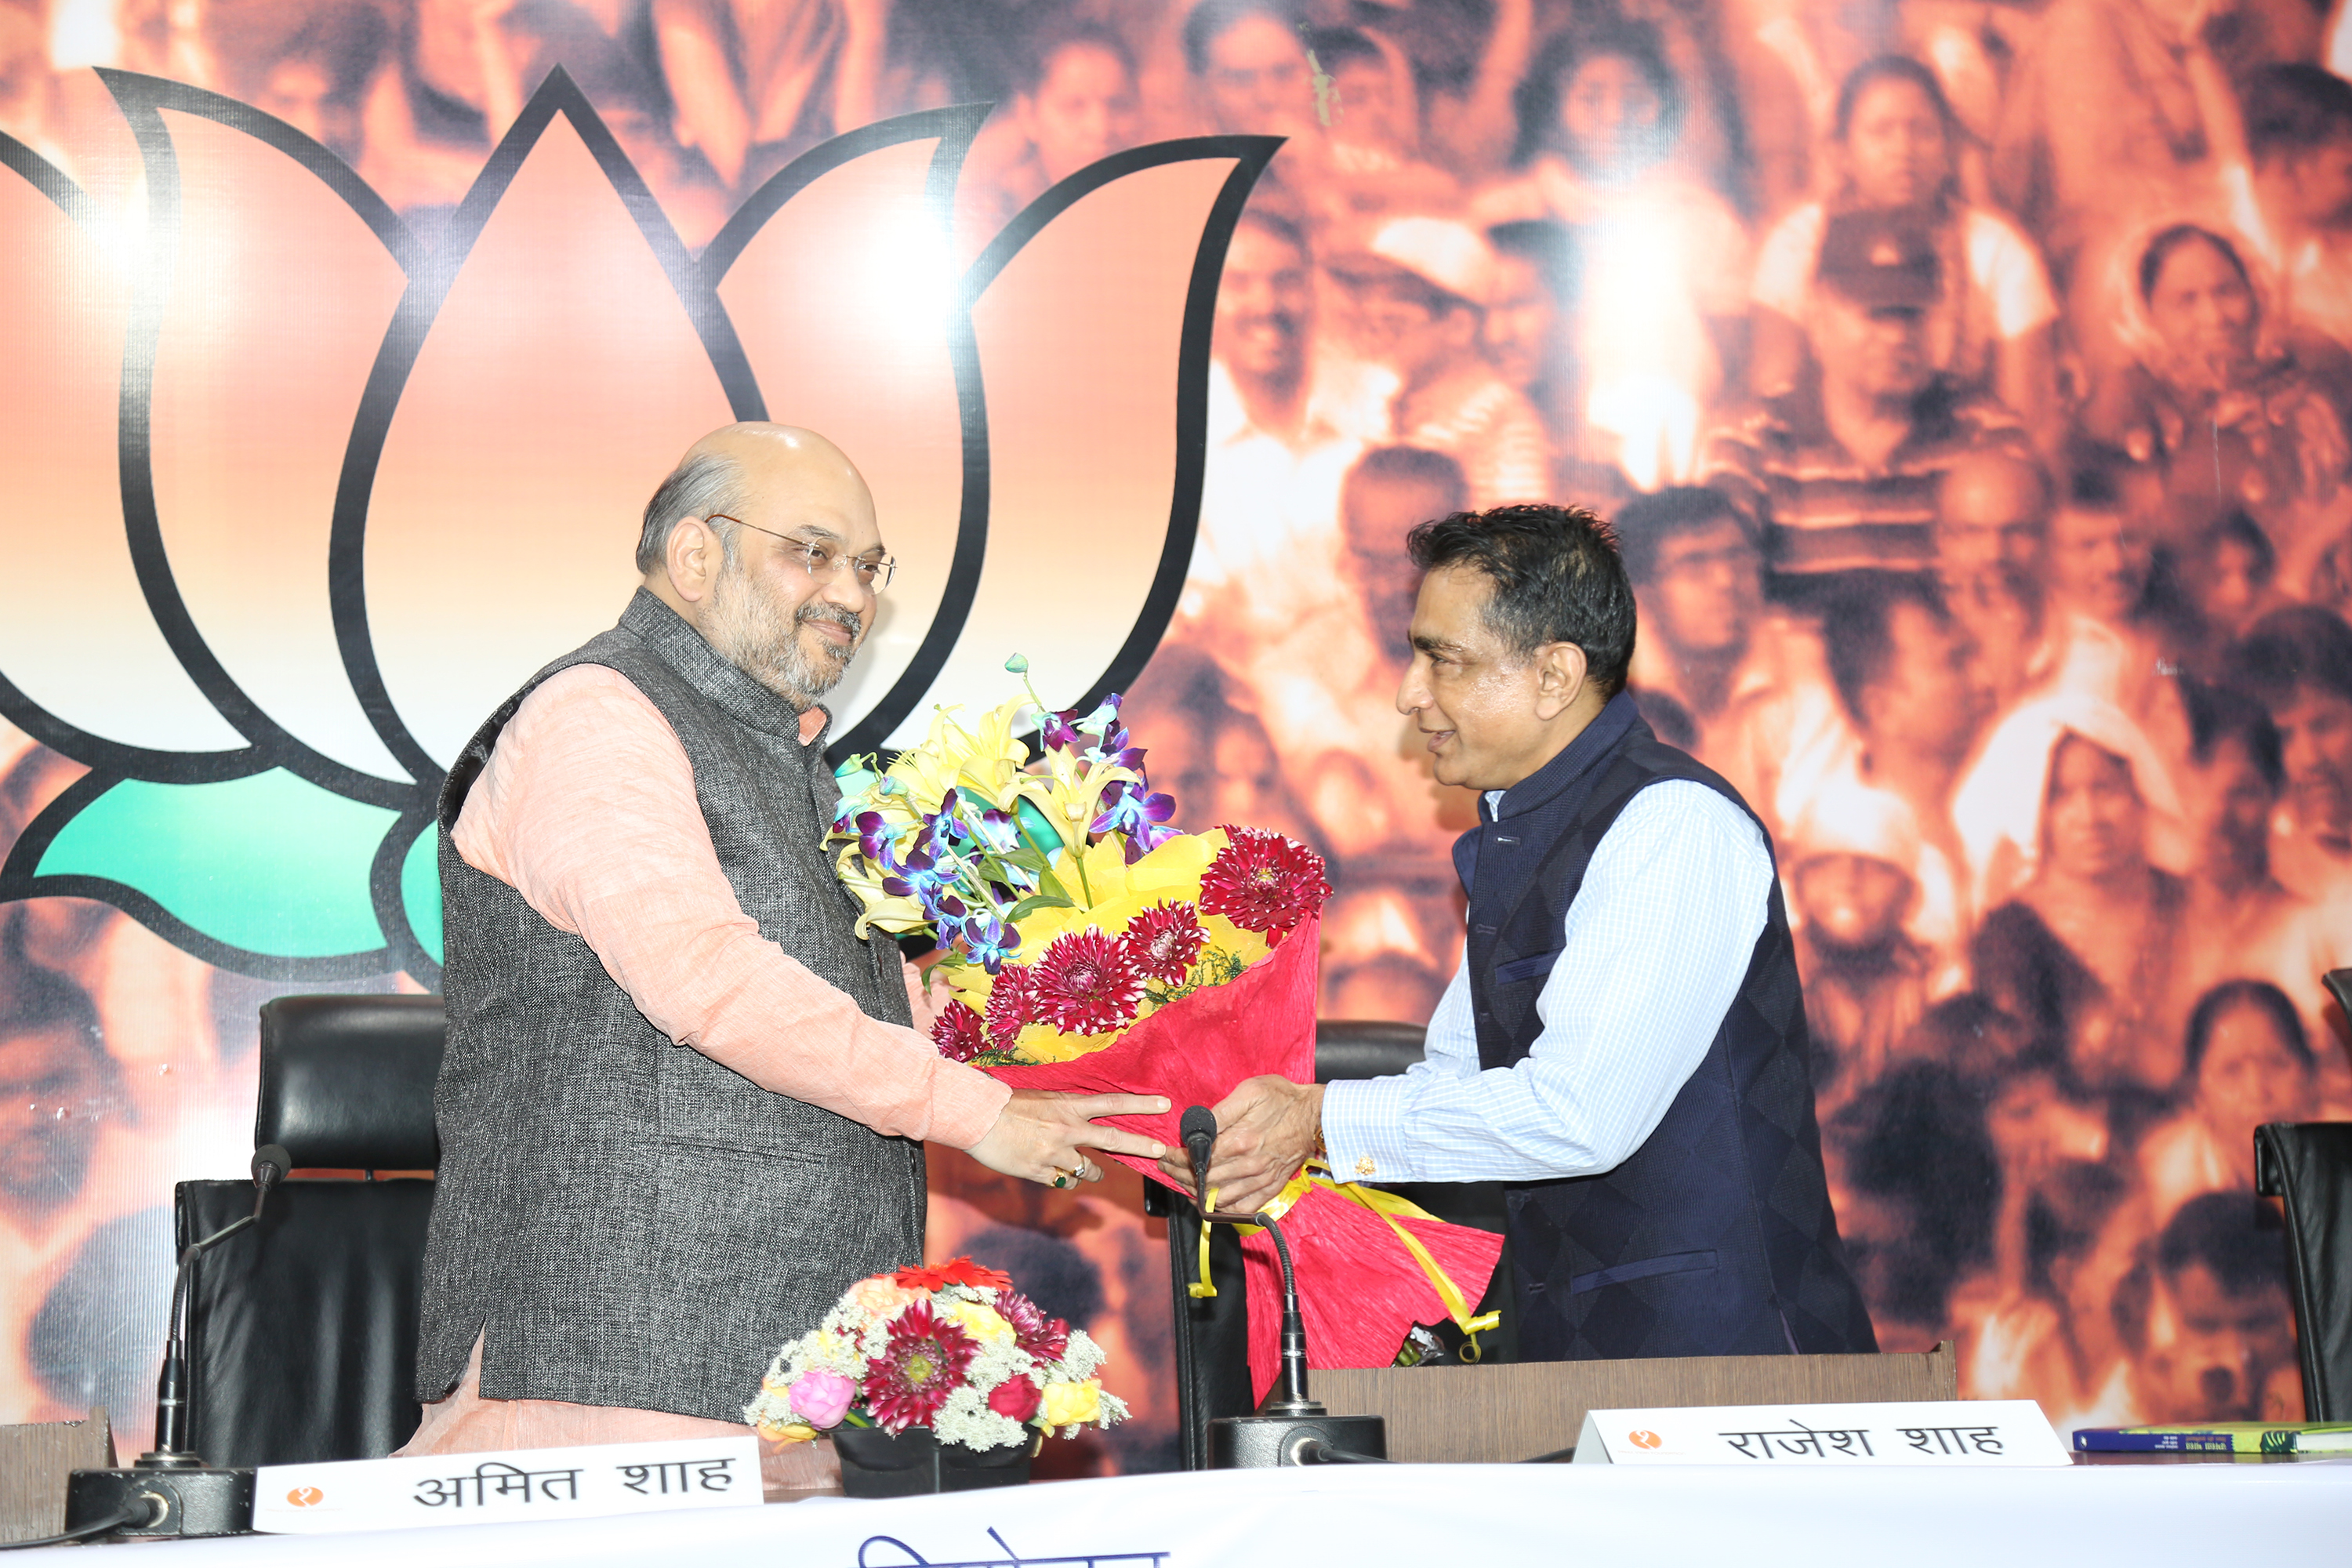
1644, 1439
306, 1497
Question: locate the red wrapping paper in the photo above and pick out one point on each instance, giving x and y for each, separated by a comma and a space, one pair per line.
1359, 1290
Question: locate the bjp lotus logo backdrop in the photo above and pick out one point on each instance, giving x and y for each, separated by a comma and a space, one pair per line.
299, 493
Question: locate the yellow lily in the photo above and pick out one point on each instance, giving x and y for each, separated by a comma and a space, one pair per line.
887, 911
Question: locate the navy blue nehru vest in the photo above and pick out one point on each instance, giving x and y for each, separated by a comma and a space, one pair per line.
1716, 1236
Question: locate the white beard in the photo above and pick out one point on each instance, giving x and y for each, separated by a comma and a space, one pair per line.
758, 638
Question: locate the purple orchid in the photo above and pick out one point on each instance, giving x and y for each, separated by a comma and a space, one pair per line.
986, 940
1127, 809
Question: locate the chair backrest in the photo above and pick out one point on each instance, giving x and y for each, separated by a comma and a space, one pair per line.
2309, 1164
302, 1336
1365, 1047
347, 1081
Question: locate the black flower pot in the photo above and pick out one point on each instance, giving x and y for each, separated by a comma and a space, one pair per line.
875, 1463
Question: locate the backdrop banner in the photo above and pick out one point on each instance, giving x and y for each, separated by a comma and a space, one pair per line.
1968, 385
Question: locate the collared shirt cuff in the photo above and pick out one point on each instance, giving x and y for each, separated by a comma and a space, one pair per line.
1363, 1129
965, 1104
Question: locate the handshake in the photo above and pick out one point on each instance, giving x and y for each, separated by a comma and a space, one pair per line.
1263, 1131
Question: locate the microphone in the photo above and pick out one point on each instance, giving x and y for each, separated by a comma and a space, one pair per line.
170, 1490
1199, 1133
1293, 1378
271, 1164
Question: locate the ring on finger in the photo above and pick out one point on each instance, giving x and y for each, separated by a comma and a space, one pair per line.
1064, 1178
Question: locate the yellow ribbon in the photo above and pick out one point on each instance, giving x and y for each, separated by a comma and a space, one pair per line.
1390, 1208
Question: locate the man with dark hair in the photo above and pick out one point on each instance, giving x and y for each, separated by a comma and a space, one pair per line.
2205, 1316
1918, 1180
1628, 996
1841, 475
1991, 536
1911, 701
2299, 140
1526, 331
1284, 423
1751, 677
1391, 492
2237, 774
1901, 666
59, 1090
2298, 661
1419, 285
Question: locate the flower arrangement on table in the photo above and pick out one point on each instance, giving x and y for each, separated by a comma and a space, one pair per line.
1088, 945
953, 1348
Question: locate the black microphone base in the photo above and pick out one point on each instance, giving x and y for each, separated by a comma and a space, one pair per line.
181, 1502
1265, 1442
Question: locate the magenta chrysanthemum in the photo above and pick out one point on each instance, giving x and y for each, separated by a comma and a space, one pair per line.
1087, 984
1264, 882
924, 1362
958, 1033
1165, 940
1011, 1005
1047, 1339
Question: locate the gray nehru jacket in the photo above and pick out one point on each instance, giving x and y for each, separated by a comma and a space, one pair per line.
624, 1221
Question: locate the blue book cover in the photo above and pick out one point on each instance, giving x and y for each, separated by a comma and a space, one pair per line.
2217, 1437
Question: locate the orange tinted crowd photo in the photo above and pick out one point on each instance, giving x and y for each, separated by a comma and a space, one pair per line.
1968, 384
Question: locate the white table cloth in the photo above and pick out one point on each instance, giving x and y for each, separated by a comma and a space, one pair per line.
1431, 1516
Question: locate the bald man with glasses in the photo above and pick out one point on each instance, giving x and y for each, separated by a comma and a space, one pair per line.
683, 1103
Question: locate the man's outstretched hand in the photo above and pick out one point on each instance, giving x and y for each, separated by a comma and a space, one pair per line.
1265, 1130
1040, 1132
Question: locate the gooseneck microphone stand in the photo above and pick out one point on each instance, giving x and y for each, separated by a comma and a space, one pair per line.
1290, 1427
171, 1491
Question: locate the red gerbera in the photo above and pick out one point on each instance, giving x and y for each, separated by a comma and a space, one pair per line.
1086, 983
924, 1362
1165, 940
954, 1271
1046, 1337
1011, 1005
958, 1033
1264, 882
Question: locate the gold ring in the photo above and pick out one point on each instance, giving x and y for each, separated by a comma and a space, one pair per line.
1064, 1178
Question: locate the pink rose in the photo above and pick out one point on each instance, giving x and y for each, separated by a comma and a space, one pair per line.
823, 1397
1015, 1397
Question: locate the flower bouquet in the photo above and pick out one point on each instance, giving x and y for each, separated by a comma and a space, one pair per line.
1089, 946
949, 1356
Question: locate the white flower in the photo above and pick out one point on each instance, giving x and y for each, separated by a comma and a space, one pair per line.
966, 1418
1081, 1359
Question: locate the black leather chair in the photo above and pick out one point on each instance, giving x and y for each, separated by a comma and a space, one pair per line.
302, 1334
2310, 1165
1212, 1335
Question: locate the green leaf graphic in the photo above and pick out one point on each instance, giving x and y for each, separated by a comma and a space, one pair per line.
420, 890
272, 864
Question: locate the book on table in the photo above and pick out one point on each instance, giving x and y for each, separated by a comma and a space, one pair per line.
2219, 1438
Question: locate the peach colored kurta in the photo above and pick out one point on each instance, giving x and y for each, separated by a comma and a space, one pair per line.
587, 808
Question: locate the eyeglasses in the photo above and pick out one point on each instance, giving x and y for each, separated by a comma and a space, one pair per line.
821, 561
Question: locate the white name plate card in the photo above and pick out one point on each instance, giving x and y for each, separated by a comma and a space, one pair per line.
524, 1483
1961, 1432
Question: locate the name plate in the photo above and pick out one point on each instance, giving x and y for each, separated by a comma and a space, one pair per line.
524, 1483
1961, 1432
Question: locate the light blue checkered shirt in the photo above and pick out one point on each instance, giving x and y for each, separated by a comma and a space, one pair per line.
1655, 946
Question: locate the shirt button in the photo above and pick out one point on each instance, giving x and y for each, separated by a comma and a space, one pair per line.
1364, 1166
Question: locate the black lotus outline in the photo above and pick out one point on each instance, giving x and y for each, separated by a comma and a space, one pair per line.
431, 271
